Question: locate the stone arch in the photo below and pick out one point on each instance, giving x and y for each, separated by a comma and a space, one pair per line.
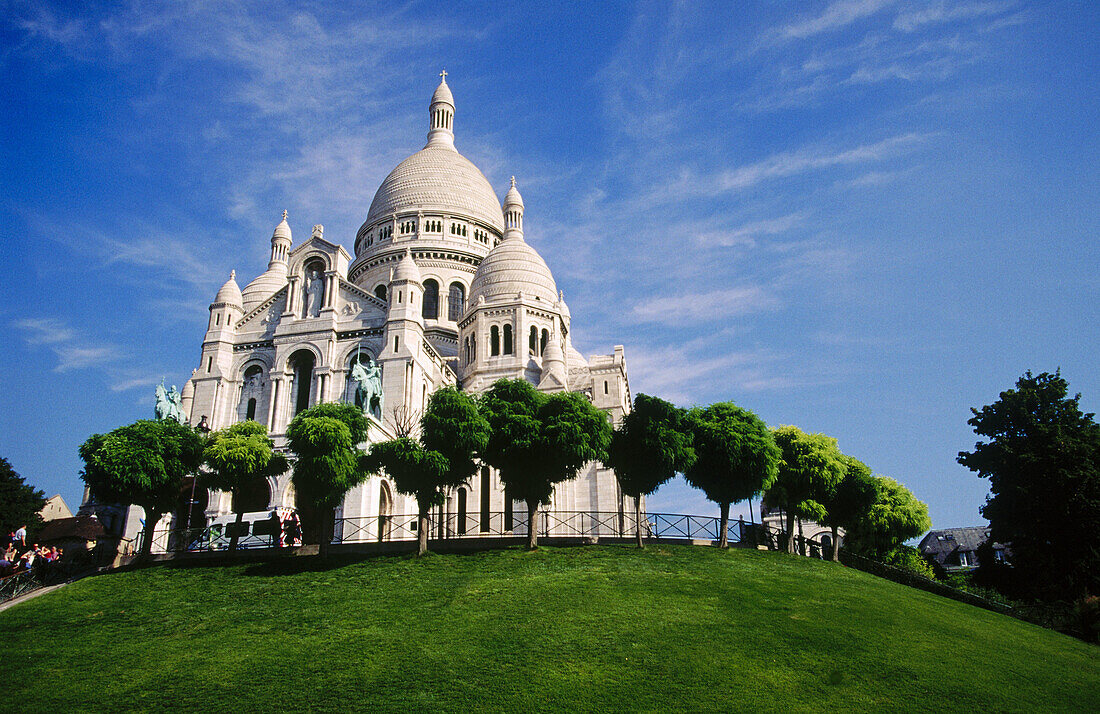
462, 508
360, 352
380, 292
385, 510
302, 363
456, 301
430, 306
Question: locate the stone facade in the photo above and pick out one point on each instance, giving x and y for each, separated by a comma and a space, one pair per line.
442, 290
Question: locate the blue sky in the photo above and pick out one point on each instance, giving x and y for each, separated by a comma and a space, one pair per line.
861, 217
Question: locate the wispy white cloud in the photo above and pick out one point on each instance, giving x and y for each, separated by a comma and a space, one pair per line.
705, 307
943, 12
45, 331
836, 16
71, 349
747, 234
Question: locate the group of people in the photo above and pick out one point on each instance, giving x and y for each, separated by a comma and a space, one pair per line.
19, 557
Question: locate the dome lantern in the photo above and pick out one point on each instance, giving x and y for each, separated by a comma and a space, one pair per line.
513, 212
441, 114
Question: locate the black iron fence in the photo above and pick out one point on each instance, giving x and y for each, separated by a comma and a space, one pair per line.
269, 533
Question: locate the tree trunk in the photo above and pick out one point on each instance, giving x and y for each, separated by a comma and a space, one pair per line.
801, 538
422, 529
836, 546
237, 527
151, 520
532, 525
723, 525
638, 519
329, 516
791, 545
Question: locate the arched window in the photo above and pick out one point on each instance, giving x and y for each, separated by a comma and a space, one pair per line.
302, 364
507, 339
380, 292
250, 413
456, 301
485, 495
462, 511
533, 340
385, 505
545, 339
430, 310
494, 341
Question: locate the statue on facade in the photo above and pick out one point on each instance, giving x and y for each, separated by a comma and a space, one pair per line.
315, 293
169, 403
368, 387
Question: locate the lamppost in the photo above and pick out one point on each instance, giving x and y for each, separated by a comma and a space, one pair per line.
203, 428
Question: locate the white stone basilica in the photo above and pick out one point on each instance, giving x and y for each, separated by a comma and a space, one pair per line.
442, 290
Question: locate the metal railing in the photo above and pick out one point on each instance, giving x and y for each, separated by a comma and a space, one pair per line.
496, 524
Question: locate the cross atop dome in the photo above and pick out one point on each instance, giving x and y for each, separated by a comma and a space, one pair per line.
443, 76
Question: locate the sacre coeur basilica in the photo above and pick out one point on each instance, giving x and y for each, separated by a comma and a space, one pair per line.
442, 289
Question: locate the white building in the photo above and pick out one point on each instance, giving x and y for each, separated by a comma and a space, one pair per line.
441, 289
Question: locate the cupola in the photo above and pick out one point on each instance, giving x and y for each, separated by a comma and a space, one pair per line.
441, 114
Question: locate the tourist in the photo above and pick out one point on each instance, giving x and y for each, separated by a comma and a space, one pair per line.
20, 536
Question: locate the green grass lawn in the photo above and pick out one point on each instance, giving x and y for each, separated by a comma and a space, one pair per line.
592, 628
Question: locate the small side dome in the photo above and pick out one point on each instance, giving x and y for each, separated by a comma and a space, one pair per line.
553, 352
513, 267
406, 269
230, 293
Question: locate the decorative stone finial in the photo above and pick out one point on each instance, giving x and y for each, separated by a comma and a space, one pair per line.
513, 182
284, 214
232, 274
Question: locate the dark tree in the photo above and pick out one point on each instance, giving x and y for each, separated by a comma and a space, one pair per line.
810, 464
453, 432
651, 445
20, 502
143, 463
1041, 454
895, 516
325, 438
735, 457
236, 456
537, 440
849, 501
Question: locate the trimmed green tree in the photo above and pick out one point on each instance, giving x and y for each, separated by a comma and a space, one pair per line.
849, 501
453, 432
540, 440
735, 457
895, 517
809, 465
235, 457
415, 471
325, 440
143, 463
1041, 454
649, 447
20, 502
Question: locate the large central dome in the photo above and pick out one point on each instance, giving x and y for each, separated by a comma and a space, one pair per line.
437, 179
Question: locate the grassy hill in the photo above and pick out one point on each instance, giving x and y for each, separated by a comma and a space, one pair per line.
573, 628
